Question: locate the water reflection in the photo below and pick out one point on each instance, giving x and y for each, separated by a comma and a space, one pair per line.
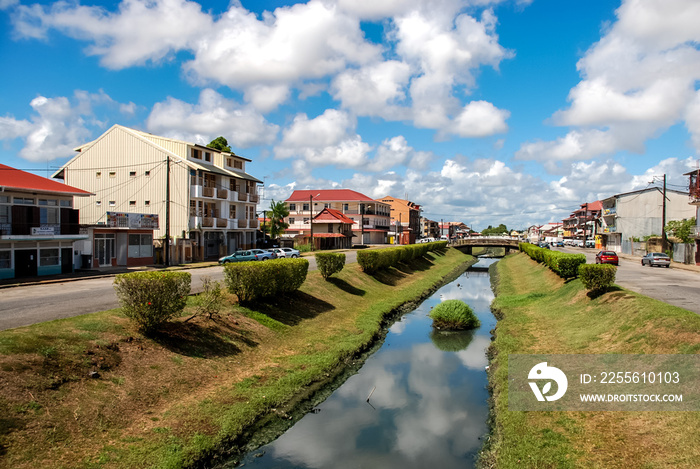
428, 407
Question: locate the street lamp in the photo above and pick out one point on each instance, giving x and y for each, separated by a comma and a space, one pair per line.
311, 218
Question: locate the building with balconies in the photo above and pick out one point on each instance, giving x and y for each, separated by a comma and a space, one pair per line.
204, 197
371, 218
38, 225
638, 214
583, 223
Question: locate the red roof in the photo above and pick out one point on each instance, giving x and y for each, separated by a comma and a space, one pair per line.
329, 195
331, 215
16, 179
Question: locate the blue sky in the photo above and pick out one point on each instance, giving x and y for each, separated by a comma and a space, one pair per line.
481, 111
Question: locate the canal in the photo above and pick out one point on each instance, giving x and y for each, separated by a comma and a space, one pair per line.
419, 401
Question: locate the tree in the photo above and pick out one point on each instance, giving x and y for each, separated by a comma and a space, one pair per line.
278, 211
500, 229
681, 228
220, 143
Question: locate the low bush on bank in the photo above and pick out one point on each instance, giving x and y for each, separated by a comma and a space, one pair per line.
253, 280
373, 260
329, 263
597, 277
454, 315
563, 264
152, 298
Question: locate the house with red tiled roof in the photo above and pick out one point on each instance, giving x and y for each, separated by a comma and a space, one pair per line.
370, 218
332, 230
38, 225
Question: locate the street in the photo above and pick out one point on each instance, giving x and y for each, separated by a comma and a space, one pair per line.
674, 286
25, 305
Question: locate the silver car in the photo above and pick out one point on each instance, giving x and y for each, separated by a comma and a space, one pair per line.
286, 252
656, 258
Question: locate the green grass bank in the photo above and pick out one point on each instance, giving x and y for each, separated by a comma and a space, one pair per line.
191, 394
540, 313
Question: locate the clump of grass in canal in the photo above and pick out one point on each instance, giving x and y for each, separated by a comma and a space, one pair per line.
454, 315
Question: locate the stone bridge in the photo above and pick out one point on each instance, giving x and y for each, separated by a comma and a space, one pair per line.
467, 244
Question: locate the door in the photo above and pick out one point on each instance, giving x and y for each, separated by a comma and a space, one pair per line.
122, 245
104, 249
26, 263
66, 260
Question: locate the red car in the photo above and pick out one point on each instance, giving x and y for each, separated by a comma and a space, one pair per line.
607, 257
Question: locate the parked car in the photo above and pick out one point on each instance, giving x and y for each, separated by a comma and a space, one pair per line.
286, 252
544, 245
656, 258
560, 244
607, 257
578, 243
589, 243
264, 254
238, 256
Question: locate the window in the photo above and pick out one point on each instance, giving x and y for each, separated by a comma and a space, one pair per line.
140, 245
112, 203
305, 207
112, 174
98, 202
4, 214
132, 174
4, 199
4, 259
292, 207
147, 173
291, 221
346, 207
48, 257
147, 203
229, 161
50, 202
98, 174
65, 203
232, 211
48, 216
232, 184
326, 205
238, 164
132, 203
197, 154
23, 201
207, 156
306, 221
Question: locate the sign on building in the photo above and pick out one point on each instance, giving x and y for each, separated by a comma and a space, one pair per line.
132, 220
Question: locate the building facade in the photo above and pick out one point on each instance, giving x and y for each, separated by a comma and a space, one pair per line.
370, 218
38, 225
583, 223
694, 201
638, 214
212, 200
405, 220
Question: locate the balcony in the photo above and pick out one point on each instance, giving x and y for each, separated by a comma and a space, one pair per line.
607, 212
222, 193
252, 223
221, 223
242, 196
254, 198
208, 191
208, 222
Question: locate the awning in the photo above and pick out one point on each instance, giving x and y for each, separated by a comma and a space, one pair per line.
329, 235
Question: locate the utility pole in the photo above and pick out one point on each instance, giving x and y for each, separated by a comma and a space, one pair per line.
362, 224
167, 212
664, 240
263, 230
311, 220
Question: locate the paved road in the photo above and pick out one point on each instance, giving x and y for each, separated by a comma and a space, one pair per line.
674, 286
25, 305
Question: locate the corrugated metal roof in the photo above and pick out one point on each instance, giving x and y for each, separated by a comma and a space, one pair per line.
329, 195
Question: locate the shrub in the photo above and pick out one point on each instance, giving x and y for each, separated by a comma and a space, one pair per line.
454, 314
376, 259
597, 277
152, 298
210, 300
329, 263
253, 280
564, 265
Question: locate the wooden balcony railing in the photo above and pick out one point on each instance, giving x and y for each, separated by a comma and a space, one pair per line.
242, 196
208, 222
222, 193
208, 192
221, 223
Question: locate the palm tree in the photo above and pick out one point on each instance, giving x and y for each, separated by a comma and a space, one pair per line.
278, 211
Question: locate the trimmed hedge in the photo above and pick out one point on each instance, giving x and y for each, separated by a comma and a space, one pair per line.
564, 265
329, 263
597, 277
253, 280
454, 315
152, 298
372, 260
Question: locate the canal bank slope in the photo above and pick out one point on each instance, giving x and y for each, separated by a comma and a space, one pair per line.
539, 313
193, 393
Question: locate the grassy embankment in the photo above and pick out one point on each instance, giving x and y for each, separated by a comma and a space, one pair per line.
177, 399
540, 313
